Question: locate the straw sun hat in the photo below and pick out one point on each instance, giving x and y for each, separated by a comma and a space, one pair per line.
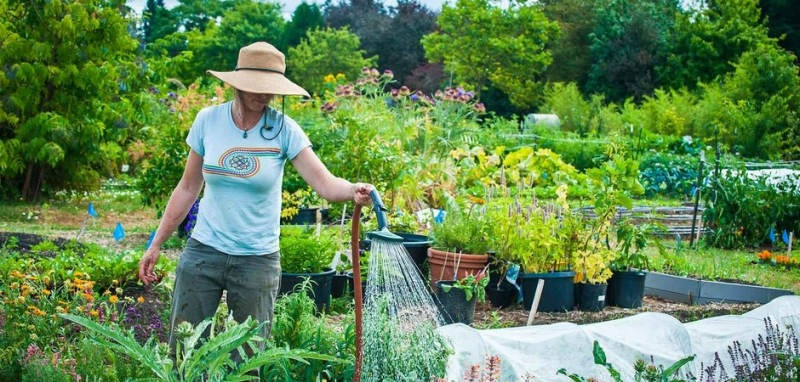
260, 69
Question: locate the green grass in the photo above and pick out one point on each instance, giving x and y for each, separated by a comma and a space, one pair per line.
718, 264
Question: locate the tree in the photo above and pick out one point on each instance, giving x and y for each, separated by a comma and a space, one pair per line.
196, 14
708, 42
218, 46
70, 76
401, 47
367, 19
312, 60
628, 43
784, 20
482, 43
158, 21
306, 17
571, 55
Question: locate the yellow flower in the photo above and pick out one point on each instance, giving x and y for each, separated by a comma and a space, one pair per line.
116, 282
77, 274
113, 299
140, 299
46, 279
46, 291
88, 297
94, 313
21, 299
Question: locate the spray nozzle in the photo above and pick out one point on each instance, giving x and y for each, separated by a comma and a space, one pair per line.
383, 226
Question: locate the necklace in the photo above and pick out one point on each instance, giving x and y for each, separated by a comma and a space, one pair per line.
241, 120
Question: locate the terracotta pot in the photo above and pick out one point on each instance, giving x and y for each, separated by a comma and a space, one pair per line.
443, 265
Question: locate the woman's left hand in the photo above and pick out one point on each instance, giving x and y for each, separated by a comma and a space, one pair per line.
361, 193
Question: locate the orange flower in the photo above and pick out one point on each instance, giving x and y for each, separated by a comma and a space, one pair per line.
140, 299
46, 291
113, 299
94, 313
88, 296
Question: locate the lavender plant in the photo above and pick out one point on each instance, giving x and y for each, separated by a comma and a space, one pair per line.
773, 357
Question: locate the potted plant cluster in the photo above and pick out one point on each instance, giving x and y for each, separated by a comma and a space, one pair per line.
460, 245
304, 254
458, 297
532, 235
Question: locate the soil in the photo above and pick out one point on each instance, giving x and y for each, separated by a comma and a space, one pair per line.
515, 315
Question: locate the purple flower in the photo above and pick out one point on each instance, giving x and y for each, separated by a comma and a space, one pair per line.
395, 93
388, 74
365, 70
171, 95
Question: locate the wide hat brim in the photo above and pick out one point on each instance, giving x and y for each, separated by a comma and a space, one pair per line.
260, 82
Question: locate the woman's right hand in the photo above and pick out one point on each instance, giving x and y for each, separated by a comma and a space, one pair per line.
147, 265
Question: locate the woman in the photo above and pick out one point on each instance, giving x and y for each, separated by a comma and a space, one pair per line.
239, 149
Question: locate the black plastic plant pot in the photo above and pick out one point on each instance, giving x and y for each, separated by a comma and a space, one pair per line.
305, 216
501, 297
416, 246
338, 285
626, 289
351, 285
454, 304
591, 297
320, 286
558, 294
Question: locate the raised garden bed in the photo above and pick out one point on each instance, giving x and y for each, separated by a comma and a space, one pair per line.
694, 291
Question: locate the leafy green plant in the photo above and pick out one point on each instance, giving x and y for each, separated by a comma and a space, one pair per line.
741, 211
644, 371
632, 239
296, 326
197, 358
462, 232
304, 252
472, 285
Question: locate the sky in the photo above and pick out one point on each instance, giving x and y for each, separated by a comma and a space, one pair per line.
290, 5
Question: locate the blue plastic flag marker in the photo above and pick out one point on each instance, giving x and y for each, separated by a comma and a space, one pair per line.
785, 237
150, 241
91, 210
544, 175
439, 217
119, 233
772, 235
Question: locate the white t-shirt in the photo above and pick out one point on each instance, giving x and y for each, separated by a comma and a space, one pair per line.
241, 206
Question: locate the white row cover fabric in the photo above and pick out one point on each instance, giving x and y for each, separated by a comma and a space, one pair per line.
544, 349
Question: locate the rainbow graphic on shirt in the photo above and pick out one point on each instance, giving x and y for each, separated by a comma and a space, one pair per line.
240, 162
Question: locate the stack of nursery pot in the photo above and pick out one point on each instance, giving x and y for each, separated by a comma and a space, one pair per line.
306, 255
459, 247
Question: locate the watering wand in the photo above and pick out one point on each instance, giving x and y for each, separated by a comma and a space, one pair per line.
381, 234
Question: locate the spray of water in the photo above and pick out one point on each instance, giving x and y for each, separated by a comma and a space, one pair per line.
400, 318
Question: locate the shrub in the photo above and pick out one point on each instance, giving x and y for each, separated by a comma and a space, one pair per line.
741, 211
304, 252
668, 174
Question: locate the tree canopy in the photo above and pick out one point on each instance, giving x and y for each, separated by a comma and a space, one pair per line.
70, 70
482, 43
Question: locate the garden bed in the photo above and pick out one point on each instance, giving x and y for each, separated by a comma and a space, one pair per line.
694, 291
487, 317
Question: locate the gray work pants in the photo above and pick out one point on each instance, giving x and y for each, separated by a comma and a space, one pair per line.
252, 283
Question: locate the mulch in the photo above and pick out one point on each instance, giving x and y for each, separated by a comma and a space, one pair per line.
487, 316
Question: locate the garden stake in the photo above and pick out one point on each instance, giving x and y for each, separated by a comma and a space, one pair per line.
536, 298
789, 250
382, 234
697, 194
